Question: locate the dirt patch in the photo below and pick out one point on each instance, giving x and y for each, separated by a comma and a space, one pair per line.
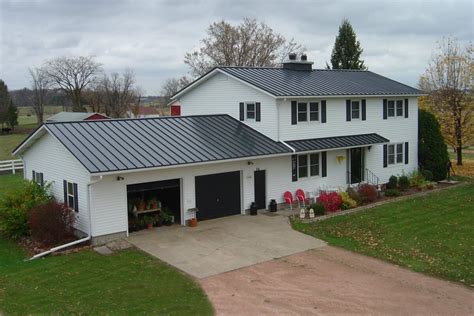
331, 280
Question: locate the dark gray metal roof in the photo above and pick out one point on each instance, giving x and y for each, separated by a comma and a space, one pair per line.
124, 144
336, 142
319, 82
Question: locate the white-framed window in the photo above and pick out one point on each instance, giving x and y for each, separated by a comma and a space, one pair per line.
38, 177
395, 108
395, 154
308, 165
355, 110
70, 195
250, 110
305, 108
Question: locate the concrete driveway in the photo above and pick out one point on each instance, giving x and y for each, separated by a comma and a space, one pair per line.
329, 280
224, 244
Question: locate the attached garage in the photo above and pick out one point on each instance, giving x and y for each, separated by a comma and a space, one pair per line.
218, 195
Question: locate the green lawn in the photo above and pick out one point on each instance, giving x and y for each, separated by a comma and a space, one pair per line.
8, 143
10, 182
432, 234
127, 282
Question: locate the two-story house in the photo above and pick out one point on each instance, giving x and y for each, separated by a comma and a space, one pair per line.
244, 135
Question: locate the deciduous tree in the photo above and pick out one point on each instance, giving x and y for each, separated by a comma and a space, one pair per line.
40, 84
248, 44
119, 93
347, 52
173, 85
448, 80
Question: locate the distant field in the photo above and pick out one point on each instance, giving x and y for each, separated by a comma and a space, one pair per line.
48, 110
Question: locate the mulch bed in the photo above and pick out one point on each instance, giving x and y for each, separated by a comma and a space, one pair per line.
33, 247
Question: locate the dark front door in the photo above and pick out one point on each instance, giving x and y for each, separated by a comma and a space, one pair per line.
357, 165
259, 188
218, 195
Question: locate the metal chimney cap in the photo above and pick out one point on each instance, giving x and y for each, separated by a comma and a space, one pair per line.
292, 56
304, 57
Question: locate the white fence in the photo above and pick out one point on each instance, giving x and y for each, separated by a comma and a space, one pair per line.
11, 165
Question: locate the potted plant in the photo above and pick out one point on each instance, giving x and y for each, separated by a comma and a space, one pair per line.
153, 204
149, 221
167, 218
141, 205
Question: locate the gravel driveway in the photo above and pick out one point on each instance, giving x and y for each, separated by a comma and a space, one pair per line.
330, 280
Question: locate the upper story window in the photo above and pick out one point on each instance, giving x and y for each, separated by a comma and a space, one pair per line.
395, 154
355, 110
395, 108
308, 111
308, 165
250, 111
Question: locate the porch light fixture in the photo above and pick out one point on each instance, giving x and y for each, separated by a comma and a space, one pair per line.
369, 148
119, 178
340, 158
249, 163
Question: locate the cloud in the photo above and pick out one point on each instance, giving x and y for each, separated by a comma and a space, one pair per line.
152, 37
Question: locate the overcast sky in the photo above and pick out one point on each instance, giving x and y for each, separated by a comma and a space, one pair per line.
151, 37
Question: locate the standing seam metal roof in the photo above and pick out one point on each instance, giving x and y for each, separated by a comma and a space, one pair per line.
319, 82
124, 144
336, 142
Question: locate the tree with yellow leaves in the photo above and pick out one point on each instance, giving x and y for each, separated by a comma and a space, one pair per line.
449, 82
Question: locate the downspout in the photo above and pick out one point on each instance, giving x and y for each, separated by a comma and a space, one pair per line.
292, 149
87, 238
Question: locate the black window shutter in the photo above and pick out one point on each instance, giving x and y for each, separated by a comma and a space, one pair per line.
293, 113
406, 108
364, 110
65, 191
41, 179
384, 109
242, 111
323, 111
257, 111
76, 198
385, 158
294, 168
324, 167
406, 153
348, 110
34, 175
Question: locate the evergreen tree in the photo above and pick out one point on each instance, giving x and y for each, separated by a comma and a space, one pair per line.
432, 151
346, 52
12, 115
4, 102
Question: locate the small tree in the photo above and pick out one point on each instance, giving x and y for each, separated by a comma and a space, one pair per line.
432, 151
347, 51
173, 85
12, 115
4, 102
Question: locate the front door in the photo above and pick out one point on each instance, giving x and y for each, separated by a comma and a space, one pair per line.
259, 188
356, 165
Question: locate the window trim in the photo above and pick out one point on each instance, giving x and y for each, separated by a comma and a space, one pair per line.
396, 154
395, 102
359, 110
38, 178
308, 111
254, 111
70, 194
309, 165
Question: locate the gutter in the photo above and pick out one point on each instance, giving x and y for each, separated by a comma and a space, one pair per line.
75, 242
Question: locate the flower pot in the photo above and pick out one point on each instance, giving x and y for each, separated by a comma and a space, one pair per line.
149, 226
193, 222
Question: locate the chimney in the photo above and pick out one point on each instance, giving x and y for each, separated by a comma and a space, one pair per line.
293, 64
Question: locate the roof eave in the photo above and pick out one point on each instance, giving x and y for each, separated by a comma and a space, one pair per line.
348, 96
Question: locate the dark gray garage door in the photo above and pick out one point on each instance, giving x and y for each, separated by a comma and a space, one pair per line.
218, 195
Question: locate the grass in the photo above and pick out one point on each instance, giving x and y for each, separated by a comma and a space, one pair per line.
8, 143
126, 282
432, 234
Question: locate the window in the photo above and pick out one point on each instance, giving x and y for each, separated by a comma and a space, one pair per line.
70, 196
395, 108
355, 110
38, 178
308, 165
250, 111
399, 108
304, 108
395, 154
391, 108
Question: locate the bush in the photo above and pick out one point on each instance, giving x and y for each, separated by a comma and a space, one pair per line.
15, 206
347, 202
392, 192
432, 151
404, 183
331, 201
428, 175
52, 223
368, 193
353, 194
392, 182
416, 178
318, 208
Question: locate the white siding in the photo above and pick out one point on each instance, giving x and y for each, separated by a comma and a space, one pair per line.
50, 157
222, 94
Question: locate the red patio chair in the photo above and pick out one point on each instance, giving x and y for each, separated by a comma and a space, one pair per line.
301, 198
288, 198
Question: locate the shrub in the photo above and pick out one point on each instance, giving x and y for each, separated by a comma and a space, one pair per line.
432, 150
347, 202
353, 194
318, 208
404, 183
51, 223
428, 175
15, 206
368, 193
331, 201
392, 182
392, 192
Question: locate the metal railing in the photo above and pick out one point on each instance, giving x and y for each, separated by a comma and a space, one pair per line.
11, 165
371, 178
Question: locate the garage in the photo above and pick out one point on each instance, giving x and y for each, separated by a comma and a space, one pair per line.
157, 202
218, 195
